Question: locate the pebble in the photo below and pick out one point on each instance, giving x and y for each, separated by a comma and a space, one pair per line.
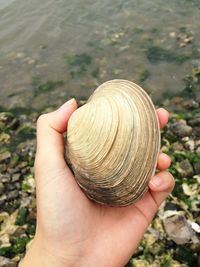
43, 46
196, 131
178, 229
2, 200
20, 55
5, 178
2, 187
190, 145
172, 34
4, 138
12, 195
6, 117
196, 166
185, 168
190, 104
16, 177
181, 129
14, 124
194, 122
177, 146
29, 60
5, 262
171, 206
176, 100
19, 232
10, 186
198, 150
3, 168
5, 156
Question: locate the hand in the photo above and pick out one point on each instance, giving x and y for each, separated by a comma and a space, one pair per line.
72, 230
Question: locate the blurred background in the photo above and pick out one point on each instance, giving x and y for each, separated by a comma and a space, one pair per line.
51, 51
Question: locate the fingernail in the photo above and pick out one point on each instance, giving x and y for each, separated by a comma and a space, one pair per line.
68, 103
156, 181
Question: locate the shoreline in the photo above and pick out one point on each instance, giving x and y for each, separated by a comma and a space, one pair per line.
180, 140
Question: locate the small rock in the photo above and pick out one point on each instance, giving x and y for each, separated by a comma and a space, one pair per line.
190, 145
172, 34
198, 150
196, 227
189, 190
196, 131
43, 46
177, 146
14, 124
19, 232
2, 125
16, 177
10, 186
181, 129
5, 262
171, 206
169, 244
4, 138
2, 187
194, 122
29, 60
185, 168
178, 229
3, 168
25, 170
5, 178
176, 100
6, 117
2, 200
190, 104
184, 39
14, 160
198, 220
22, 164
5, 156
20, 55
196, 166
3, 216
18, 185
197, 142
12, 195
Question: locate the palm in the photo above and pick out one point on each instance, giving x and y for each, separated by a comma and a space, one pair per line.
83, 222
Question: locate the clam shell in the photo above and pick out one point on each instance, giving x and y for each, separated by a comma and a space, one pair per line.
113, 142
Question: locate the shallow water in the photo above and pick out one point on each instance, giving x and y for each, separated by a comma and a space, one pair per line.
83, 43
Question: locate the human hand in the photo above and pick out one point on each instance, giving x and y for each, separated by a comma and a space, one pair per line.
71, 229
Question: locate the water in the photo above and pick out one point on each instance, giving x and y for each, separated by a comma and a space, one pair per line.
82, 43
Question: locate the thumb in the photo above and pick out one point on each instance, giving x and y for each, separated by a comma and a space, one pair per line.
50, 129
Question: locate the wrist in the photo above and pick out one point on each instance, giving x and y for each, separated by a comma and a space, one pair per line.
38, 256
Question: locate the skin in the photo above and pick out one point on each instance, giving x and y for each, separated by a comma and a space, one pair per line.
72, 230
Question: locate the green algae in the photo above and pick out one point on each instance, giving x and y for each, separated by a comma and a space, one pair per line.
156, 54
78, 63
44, 87
145, 74
22, 216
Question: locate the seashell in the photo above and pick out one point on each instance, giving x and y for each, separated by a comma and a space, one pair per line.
113, 143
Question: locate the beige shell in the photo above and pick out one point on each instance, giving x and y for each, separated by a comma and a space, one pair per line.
113, 142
